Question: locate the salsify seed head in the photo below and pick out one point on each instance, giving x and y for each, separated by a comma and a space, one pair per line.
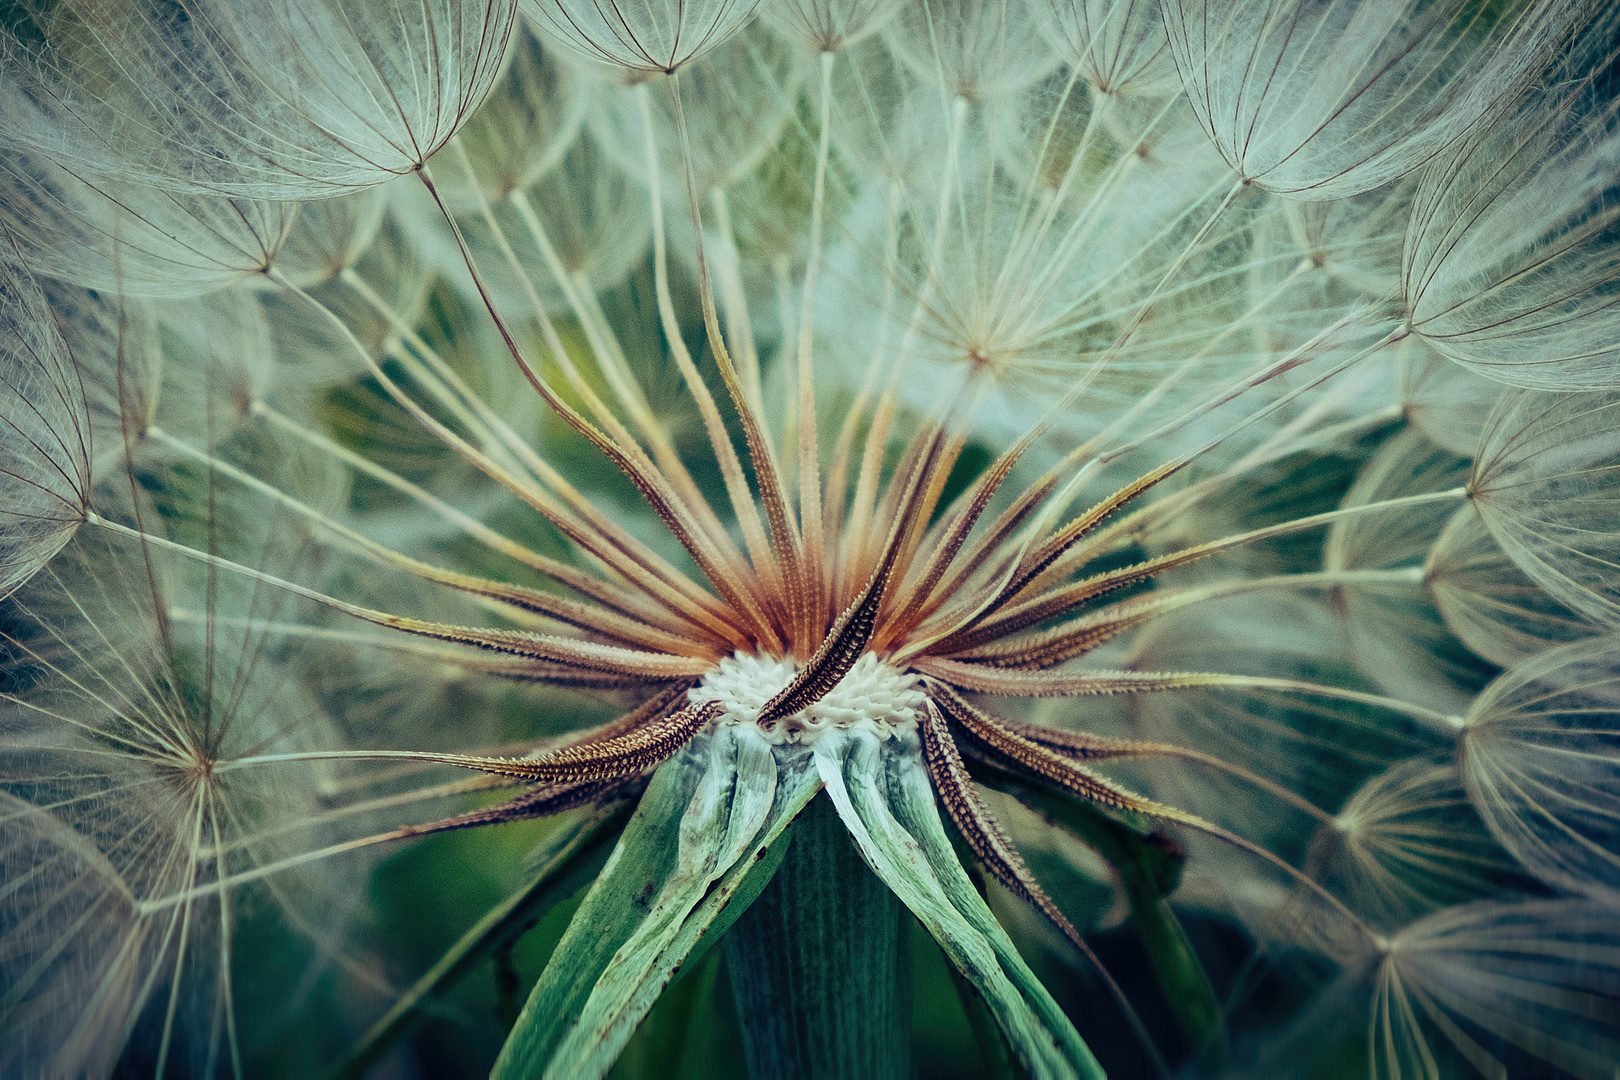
1139, 469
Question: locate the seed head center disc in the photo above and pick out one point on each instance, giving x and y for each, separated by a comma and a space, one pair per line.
872, 694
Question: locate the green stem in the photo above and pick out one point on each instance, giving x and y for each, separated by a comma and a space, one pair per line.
1000, 1061
817, 966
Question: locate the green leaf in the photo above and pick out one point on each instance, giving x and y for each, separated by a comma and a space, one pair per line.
887, 803
706, 826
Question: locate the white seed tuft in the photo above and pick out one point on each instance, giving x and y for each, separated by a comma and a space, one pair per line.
872, 694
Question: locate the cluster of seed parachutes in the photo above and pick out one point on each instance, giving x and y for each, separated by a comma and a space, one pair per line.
1215, 401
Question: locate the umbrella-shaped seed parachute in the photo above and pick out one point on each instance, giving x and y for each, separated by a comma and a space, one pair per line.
1540, 753
269, 99
1547, 484
1320, 101
45, 446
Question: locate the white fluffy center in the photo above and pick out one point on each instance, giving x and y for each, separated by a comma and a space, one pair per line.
872, 693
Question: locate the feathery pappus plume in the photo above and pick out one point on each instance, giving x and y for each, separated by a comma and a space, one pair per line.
1066, 537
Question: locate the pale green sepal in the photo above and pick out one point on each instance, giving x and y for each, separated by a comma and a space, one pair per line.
887, 803
716, 801
911, 797
649, 962
796, 784
616, 904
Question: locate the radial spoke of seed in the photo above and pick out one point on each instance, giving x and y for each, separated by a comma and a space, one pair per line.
973, 820
551, 799
1083, 746
994, 544
611, 364
1048, 483
1064, 599
1047, 562
581, 521
1048, 553
602, 592
651, 485
1086, 522
590, 656
925, 598
626, 755
983, 679
654, 709
918, 601
932, 451
1057, 602
1035, 652
651, 711
706, 528
1018, 571
542, 801
765, 468
767, 471
1027, 502
927, 454
584, 616
843, 449
1030, 759
866, 486
995, 849
877, 436
998, 535
938, 475
503, 667
608, 659
851, 634
739, 327
428, 369
544, 674
810, 511
1147, 682
1324, 342
620, 751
